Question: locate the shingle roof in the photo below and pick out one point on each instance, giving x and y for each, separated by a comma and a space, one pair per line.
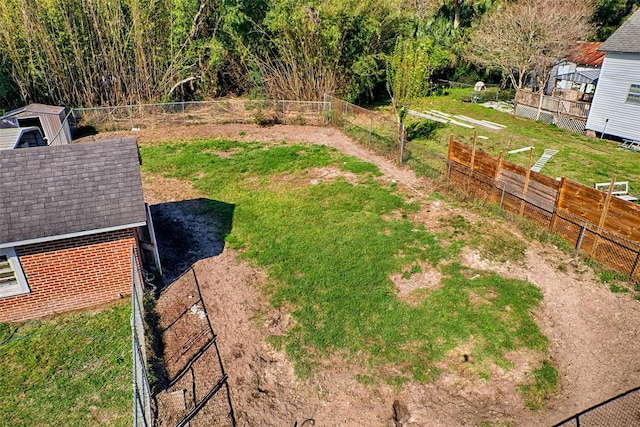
625, 39
69, 189
35, 109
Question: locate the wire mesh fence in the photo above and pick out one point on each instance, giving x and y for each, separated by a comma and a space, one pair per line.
622, 410
149, 116
383, 135
142, 415
197, 393
424, 161
606, 247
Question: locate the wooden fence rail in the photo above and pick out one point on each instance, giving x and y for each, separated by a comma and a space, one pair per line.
553, 104
599, 224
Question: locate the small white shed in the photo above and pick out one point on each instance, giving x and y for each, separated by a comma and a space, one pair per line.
51, 120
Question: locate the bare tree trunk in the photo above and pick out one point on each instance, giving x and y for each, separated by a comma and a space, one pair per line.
456, 13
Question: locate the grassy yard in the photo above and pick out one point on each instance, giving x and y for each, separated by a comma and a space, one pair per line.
330, 248
580, 158
72, 370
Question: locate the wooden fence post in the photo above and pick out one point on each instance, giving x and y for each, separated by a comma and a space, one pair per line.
556, 204
525, 187
449, 161
473, 150
635, 264
539, 106
496, 175
473, 160
346, 105
603, 214
401, 140
284, 112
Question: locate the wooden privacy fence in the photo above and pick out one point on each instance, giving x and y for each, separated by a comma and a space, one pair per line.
603, 226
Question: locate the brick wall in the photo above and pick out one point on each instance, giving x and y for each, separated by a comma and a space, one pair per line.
70, 274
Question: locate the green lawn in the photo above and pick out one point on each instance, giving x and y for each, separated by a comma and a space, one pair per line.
73, 370
330, 248
580, 158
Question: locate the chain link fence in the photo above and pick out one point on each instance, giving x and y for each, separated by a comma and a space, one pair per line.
197, 393
622, 410
383, 135
149, 116
142, 415
424, 161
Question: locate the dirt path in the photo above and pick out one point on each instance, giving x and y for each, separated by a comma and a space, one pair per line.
593, 332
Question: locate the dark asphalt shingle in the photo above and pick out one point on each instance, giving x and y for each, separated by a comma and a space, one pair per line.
625, 39
63, 189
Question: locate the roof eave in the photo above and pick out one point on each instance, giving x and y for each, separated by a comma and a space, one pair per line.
70, 235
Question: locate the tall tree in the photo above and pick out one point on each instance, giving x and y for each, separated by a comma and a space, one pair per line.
525, 38
409, 70
108, 52
309, 47
609, 15
9, 96
459, 13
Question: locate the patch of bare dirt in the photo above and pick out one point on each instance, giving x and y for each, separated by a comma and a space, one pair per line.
313, 176
593, 333
414, 288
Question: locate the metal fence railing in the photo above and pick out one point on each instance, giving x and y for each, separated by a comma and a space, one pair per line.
383, 135
197, 392
621, 410
142, 415
149, 116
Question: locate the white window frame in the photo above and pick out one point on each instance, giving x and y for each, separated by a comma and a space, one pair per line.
633, 97
19, 288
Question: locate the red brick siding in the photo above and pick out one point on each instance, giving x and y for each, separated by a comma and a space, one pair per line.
70, 274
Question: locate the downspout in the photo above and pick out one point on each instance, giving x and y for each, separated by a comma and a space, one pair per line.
604, 128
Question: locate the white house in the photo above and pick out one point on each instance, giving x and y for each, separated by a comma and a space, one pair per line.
615, 109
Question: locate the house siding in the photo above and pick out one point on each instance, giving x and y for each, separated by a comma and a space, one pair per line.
71, 274
619, 71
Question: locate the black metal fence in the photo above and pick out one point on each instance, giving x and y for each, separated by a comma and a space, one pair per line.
197, 392
622, 410
142, 414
